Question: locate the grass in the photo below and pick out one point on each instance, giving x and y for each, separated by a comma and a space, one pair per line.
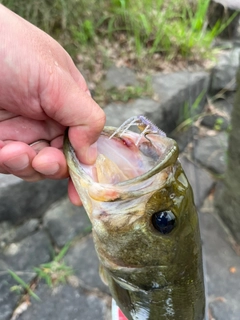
189, 114
53, 273
146, 35
22, 285
171, 28
56, 271
124, 94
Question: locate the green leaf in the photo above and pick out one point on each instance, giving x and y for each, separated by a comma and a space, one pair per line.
23, 284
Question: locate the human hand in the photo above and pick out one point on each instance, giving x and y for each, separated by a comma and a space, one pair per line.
41, 94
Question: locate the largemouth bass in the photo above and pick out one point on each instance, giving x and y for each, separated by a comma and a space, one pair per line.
145, 225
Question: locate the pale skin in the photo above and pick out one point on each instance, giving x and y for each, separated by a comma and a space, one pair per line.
41, 94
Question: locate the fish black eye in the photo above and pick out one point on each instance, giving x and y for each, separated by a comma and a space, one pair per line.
163, 221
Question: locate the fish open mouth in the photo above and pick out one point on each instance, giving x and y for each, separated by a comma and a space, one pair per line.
127, 162
120, 159
125, 156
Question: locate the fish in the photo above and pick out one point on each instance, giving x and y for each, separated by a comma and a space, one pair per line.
144, 222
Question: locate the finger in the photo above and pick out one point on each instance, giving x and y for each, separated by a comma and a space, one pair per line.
16, 158
72, 106
51, 163
73, 195
29, 130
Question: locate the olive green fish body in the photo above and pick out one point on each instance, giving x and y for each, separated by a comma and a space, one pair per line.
154, 271
158, 276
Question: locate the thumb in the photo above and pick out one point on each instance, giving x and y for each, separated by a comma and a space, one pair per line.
68, 102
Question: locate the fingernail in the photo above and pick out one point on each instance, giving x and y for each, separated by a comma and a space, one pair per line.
17, 163
48, 169
88, 155
89, 93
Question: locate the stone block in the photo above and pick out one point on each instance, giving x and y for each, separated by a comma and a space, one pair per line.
175, 92
221, 11
28, 253
83, 259
120, 78
222, 267
65, 221
224, 73
21, 257
65, 303
21, 200
211, 152
200, 180
11, 233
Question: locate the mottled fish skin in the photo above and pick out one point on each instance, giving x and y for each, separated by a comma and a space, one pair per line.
152, 276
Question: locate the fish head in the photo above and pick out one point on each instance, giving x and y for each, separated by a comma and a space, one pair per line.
139, 202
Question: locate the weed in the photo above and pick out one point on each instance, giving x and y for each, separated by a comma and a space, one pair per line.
126, 93
53, 273
22, 285
218, 124
85, 34
189, 114
17, 288
56, 271
170, 28
131, 92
